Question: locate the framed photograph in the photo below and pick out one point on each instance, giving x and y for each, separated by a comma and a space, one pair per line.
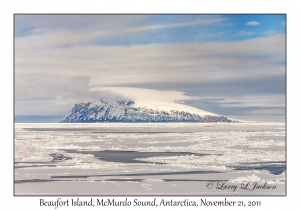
149, 104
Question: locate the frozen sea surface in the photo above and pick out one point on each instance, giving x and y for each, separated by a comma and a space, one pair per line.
150, 159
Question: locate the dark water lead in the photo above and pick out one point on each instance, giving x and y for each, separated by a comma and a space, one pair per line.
273, 169
72, 180
56, 158
193, 180
139, 174
112, 130
59, 157
121, 156
30, 166
112, 180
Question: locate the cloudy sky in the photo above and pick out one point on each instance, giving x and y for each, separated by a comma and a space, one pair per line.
232, 65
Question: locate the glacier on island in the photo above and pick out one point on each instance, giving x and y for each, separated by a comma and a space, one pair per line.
129, 111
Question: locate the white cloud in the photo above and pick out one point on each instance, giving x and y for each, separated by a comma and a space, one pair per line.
53, 37
142, 94
67, 73
270, 100
154, 99
245, 33
182, 24
156, 62
50, 38
252, 23
270, 32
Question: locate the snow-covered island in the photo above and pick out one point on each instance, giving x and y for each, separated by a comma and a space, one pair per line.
129, 111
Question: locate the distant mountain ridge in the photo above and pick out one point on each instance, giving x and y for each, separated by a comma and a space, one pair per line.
129, 111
